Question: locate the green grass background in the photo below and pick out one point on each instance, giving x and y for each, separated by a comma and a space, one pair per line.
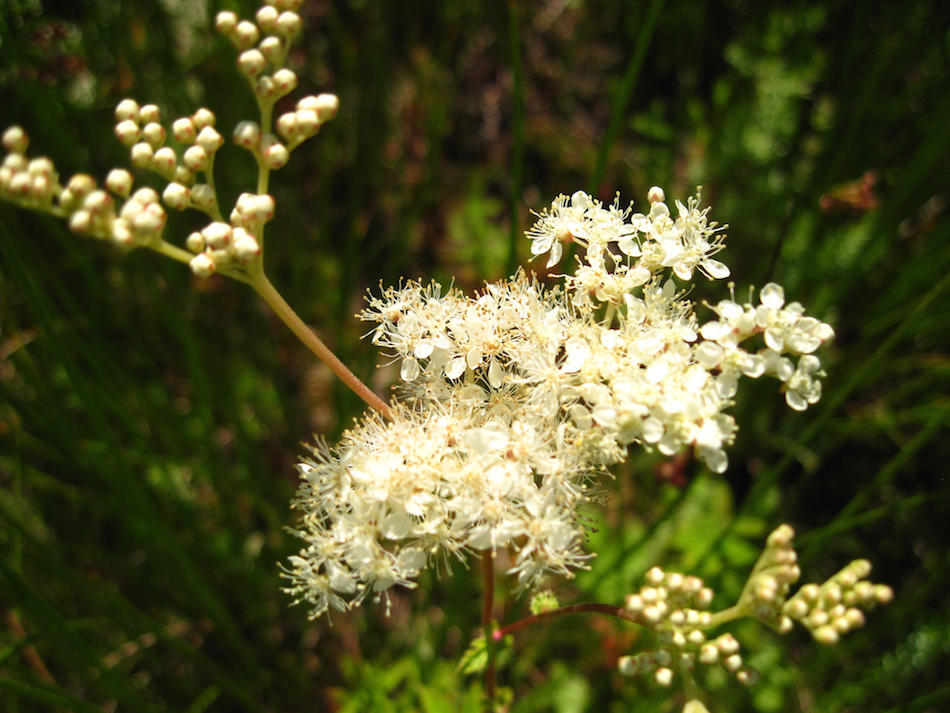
149, 421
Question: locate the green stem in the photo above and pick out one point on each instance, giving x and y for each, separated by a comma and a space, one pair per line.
488, 625
277, 303
588, 607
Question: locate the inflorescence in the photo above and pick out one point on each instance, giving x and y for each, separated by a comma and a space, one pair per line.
515, 400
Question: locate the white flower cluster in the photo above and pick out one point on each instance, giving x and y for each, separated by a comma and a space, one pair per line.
513, 400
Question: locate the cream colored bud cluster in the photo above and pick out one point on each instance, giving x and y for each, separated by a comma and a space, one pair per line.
140, 129
263, 50
766, 590
90, 210
675, 606
834, 608
220, 244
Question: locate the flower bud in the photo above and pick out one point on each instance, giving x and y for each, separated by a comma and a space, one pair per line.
128, 132
287, 125
203, 196
732, 663
150, 221
165, 161
289, 24
246, 247
154, 134
247, 134
251, 63
271, 48
265, 88
656, 195
202, 265
195, 242
285, 81
176, 196
245, 35
119, 181
196, 158
663, 677
81, 222
184, 130
142, 155
267, 18
127, 110
327, 106
184, 175
217, 235
225, 23
204, 117
273, 152
98, 203
15, 140
209, 139
150, 114
145, 196
826, 635
306, 122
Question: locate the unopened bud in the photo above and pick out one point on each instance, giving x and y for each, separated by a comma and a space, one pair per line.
119, 181
196, 158
247, 134
289, 24
327, 107
150, 114
15, 140
203, 196
267, 18
154, 134
127, 110
209, 139
202, 265
128, 132
203, 118
251, 63
184, 130
271, 48
195, 242
285, 81
656, 194
663, 677
176, 196
165, 161
245, 35
142, 155
225, 23
274, 153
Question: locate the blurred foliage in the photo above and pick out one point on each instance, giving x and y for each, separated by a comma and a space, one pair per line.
149, 421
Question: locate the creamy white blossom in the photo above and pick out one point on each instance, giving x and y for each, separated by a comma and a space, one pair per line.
512, 402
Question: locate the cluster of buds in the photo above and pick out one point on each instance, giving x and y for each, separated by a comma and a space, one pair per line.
775, 571
34, 183
140, 129
220, 244
676, 607
834, 608
263, 52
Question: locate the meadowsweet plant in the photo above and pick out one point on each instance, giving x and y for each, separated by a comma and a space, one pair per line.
513, 403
